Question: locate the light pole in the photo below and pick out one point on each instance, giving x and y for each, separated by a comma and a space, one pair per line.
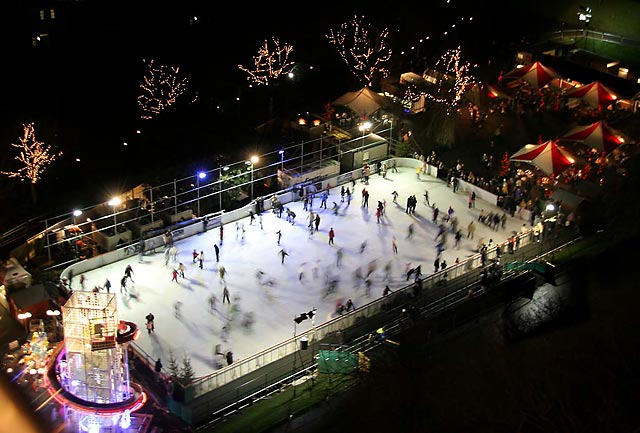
54, 316
220, 169
201, 175
76, 213
115, 201
364, 127
281, 152
25, 319
254, 159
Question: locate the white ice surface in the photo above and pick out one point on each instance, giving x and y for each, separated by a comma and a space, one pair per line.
198, 331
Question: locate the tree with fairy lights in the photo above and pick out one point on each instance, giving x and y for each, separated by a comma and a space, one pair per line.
161, 88
270, 63
453, 80
35, 157
365, 49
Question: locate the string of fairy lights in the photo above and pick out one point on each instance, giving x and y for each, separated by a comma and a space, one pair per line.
34, 156
454, 83
363, 48
270, 63
161, 88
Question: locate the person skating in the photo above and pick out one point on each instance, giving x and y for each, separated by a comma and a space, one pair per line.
217, 251
201, 259
181, 269
222, 271
331, 236
177, 309
225, 295
150, 325
212, 302
129, 273
174, 275
283, 254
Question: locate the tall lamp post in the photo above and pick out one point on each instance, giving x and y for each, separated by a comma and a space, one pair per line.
220, 169
201, 175
25, 320
54, 316
115, 201
76, 213
281, 152
364, 127
253, 160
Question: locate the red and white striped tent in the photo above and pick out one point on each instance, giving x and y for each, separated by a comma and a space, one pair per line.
549, 157
536, 74
594, 94
598, 135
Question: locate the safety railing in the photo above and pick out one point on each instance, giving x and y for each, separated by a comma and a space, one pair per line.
433, 283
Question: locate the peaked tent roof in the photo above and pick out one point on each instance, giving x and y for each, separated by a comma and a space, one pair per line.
548, 156
594, 94
364, 102
598, 135
496, 91
536, 74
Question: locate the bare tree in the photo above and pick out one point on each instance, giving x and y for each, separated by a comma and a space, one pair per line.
453, 80
270, 63
364, 49
35, 157
161, 88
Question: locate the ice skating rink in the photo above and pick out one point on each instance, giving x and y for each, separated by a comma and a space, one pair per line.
262, 309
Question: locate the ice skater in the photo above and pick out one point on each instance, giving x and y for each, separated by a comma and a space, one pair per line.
332, 235
177, 309
225, 295
283, 254
217, 251
123, 284
129, 273
212, 303
174, 275
301, 271
339, 255
222, 272
181, 269
150, 325
279, 233
194, 255
201, 258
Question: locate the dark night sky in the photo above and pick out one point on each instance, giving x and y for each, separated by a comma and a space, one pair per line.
80, 86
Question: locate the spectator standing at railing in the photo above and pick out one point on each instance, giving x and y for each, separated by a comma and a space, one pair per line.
158, 368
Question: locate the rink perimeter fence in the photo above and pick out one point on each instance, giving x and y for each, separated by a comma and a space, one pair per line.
201, 391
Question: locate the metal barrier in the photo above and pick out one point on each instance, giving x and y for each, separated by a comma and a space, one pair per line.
254, 362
